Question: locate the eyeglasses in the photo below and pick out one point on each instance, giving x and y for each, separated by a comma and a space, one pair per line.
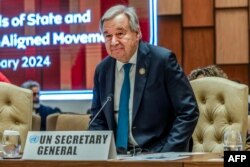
133, 152
36, 94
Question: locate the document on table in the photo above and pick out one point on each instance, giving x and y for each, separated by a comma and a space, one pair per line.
156, 156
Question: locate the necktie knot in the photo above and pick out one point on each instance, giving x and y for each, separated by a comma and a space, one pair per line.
126, 68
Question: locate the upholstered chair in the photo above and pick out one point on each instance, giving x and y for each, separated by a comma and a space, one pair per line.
248, 135
36, 122
15, 110
67, 122
248, 127
223, 105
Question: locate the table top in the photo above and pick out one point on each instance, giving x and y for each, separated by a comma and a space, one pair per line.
195, 160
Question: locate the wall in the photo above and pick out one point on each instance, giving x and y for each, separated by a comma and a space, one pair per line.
204, 32
200, 32
76, 106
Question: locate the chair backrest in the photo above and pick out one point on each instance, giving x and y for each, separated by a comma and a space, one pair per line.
223, 105
15, 109
248, 135
67, 122
36, 122
248, 127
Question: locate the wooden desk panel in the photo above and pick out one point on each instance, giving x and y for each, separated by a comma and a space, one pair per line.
203, 164
202, 160
27, 163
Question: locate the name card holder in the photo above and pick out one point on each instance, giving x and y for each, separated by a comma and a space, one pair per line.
69, 145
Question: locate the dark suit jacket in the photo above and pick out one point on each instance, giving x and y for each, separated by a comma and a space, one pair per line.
164, 107
44, 111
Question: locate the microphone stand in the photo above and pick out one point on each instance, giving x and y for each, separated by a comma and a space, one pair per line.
109, 98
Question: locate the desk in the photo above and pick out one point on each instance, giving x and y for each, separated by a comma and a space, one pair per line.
203, 160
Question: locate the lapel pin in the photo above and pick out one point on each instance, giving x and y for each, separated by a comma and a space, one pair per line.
142, 71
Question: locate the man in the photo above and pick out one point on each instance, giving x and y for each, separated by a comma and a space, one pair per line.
162, 108
38, 108
208, 71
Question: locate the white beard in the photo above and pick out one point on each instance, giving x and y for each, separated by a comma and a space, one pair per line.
36, 105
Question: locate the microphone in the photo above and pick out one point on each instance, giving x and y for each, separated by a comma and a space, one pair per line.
109, 98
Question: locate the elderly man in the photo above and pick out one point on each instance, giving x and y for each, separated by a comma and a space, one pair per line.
38, 108
153, 107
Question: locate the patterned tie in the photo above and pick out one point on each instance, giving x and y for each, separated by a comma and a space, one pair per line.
123, 118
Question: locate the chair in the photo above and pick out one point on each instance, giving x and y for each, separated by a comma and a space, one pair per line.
15, 110
36, 122
67, 122
248, 125
223, 105
248, 134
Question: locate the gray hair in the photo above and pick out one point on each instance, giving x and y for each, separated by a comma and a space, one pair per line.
208, 71
122, 9
30, 84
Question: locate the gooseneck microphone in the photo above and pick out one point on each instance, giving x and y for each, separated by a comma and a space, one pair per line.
109, 98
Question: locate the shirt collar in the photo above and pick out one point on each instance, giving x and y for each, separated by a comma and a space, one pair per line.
132, 60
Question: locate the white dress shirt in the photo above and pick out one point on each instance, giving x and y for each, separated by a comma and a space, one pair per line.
119, 77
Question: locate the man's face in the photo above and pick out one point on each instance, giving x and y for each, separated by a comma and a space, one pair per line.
120, 41
36, 102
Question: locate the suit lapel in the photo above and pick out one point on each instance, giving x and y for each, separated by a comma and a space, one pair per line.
109, 90
142, 69
143, 61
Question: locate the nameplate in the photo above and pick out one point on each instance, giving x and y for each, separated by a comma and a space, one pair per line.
69, 145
